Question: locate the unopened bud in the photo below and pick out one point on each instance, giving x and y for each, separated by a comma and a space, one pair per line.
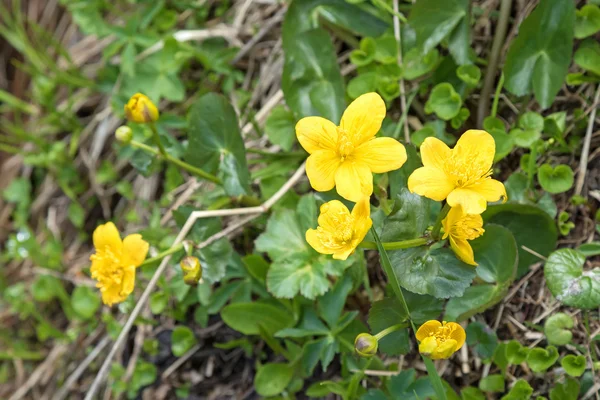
140, 109
192, 270
365, 345
124, 134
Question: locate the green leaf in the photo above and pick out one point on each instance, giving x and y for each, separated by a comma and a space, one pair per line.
416, 64
469, 74
492, 383
460, 118
405, 386
363, 83
386, 49
504, 143
144, 374
312, 83
587, 21
383, 314
520, 391
524, 138
215, 143
331, 304
282, 236
557, 329
569, 390
280, 128
579, 78
435, 272
443, 101
408, 220
590, 249
247, 317
365, 54
272, 379
516, 353
76, 214
182, 340
449, 19
46, 287
539, 58
472, 393
158, 302
483, 339
85, 301
435, 129
569, 283
531, 121
539, 360
587, 56
530, 226
574, 365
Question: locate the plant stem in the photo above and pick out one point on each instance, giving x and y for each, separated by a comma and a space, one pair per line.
497, 96
162, 255
389, 330
404, 244
531, 165
181, 164
435, 232
156, 139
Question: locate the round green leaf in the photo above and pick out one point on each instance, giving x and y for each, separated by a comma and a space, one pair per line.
520, 391
587, 56
492, 383
383, 314
567, 390
365, 54
504, 143
574, 365
587, 21
386, 51
555, 180
483, 339
531, 227
539, 360
415, 64
515, 352
557, 329
569, 283
435, 272
281, 128
182, 340
363, 83
272, 379
444, 101
531, 121
158, 302
45, 288
247, 318
524, 138
85, 301
469, 74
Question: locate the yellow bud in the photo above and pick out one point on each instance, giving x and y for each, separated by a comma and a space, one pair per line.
192, 270
140, 109
124, 134
365, 345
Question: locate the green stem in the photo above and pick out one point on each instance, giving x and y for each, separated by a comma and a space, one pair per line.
156, 139
531, 165
389, 9
162, 255
435, 232
389, 330
497, 96
173, 160
404, 244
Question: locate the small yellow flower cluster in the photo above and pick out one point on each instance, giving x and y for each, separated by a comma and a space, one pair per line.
439, 340
461, 176
345, 157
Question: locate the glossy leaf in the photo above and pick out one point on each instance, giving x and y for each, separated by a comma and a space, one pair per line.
558, 329
587, 21
247, 317
568, 390
384, 314
469, 74
272, 379
574, 365
409, 218
443, 101
539, 360
492, 383
587, 56
182, 340
280, 128
520, 391
483, 339
515, 352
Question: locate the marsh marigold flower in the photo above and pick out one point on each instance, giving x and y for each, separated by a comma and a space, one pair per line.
346, 156
339, 231
115, 261
439, 340
140, 109
460, 175
460, 228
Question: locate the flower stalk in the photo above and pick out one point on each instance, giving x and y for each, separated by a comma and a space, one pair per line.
435, 232
403, 244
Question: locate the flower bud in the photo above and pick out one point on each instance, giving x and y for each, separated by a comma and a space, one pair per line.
365, 345
124, 134
140, 109
192, 270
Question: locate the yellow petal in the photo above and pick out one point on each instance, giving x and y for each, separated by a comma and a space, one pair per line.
362, 209
463, 250
107, 236
430, 182
321, 167
128, 281
454, 215
490, 189
475, 148
316, 133
428, 328
457, 333
344, 252
428, 345
135, 250
330, 214
434, 153
314, 242
363, 117
444, 350
472, 202
354, 181
381, 154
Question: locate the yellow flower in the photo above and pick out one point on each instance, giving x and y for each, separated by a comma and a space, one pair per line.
461, 227
114, 263
439, 340
345, 156
192, 270
460, 175
140, 109
339, 231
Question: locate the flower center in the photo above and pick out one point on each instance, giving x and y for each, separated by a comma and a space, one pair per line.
465, 174
345, 144
111, 272
442, 333
468, 227
341, 235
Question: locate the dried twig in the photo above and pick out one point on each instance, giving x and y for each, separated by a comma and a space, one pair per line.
586, 145
398, 37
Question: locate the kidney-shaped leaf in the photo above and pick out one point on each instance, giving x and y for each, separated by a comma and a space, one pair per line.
569, 283
247, 318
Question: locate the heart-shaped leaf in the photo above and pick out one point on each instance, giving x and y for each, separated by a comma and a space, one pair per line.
557, 329
363, 83
408, 220
531, 121
569, 390
443, 101
280, 128
520, 391
492, 383
587, 21
469, 74
365, 54
483, 339
555, 180
587, 56
569, 283
524, 138
416, 64
182, 340
574, 365
515, 352
272, 379
539, 360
